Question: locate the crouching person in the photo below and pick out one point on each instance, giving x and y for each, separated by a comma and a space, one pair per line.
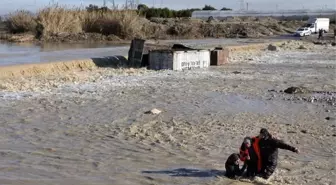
232, 167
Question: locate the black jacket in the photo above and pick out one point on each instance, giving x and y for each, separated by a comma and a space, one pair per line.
252, 164
232, 169
269, 154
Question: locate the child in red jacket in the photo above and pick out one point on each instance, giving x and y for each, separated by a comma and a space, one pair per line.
249, 156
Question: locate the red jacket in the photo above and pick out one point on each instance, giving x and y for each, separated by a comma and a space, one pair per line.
244, 153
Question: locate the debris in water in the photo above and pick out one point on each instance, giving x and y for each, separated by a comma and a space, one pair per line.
50, 149
329, 118
295, 90
153, 111
302, 47
272, 48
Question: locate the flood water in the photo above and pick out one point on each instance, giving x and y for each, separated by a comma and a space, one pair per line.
96, 130
22, 53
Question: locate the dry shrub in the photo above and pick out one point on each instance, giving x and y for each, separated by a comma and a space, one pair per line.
154, 31
55, 20
185, 30
59, 19
123, 23
21, 21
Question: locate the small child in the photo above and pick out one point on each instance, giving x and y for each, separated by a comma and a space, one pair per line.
249, 157
232, 166
244, 149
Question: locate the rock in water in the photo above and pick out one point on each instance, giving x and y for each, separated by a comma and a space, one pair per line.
330, 118
318, 43
153, 111
272, 48
302, 47
295, 90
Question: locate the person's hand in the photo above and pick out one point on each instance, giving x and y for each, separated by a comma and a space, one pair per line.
248, 157
274, 137
296, 150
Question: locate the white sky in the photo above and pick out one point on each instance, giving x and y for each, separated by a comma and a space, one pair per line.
7, 6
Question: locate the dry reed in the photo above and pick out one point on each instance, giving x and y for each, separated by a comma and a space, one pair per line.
56, 19
59, 19
21, 21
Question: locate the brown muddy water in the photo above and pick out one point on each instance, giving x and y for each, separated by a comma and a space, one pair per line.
95, 130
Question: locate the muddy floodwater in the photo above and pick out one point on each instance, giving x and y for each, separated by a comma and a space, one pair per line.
23, 53
95, 130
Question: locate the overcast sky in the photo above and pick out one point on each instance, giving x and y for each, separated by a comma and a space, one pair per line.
7, 6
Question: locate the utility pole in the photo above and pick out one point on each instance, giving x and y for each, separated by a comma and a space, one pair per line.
131, 4
137, 3
247, 6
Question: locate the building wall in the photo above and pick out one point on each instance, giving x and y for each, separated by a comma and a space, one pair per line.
288, 13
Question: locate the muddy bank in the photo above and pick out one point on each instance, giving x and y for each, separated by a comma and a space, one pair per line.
182, 28
237, 51
94, 130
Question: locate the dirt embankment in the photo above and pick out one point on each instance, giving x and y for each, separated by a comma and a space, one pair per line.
30, 77
161, 28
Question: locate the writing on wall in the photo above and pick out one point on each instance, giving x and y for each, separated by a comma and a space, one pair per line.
191, 64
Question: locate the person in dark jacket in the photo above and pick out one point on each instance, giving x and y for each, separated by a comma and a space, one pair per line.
249, 156
232, 166
269, 152
320, 36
